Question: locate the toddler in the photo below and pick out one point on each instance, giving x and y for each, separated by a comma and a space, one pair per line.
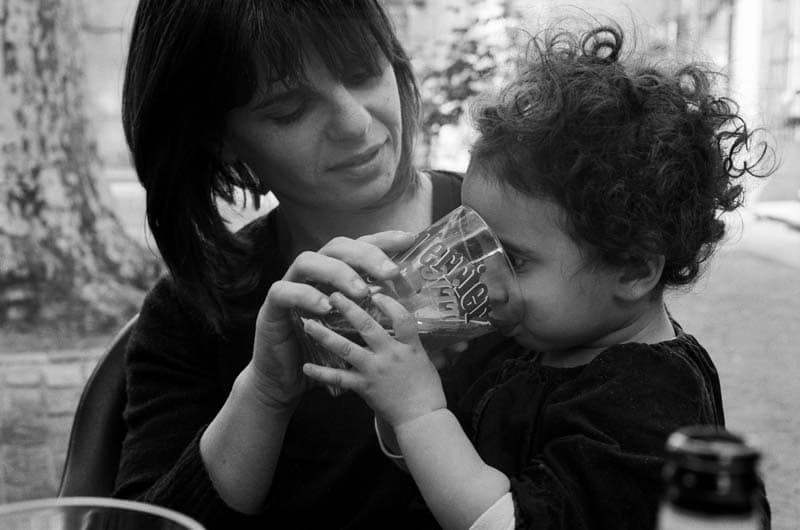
604, 180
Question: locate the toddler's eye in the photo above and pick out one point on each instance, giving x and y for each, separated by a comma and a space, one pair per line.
517, 262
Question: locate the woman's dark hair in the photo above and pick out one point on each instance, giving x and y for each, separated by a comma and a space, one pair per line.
643, 161
190, 62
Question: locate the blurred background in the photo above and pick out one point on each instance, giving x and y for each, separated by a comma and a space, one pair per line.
76, 257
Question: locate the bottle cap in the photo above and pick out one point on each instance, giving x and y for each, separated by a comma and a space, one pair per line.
711, 470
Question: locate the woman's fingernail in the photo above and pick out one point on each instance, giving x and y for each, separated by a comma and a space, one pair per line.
389, 268
359, 285
325, 305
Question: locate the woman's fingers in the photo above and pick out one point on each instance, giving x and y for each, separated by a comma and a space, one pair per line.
369, 253
284, 295
403, 322
390, 241
345, 379
343, 262
319, 268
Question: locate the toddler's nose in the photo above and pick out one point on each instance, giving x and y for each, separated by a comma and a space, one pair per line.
505, 301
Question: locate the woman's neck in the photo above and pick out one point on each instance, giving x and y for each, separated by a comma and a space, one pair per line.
303, 228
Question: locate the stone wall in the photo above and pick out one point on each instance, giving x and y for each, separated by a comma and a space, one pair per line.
39, 393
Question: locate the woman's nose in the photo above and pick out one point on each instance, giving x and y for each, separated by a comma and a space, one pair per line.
350, 118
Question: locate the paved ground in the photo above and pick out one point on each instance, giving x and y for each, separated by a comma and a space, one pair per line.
746, 311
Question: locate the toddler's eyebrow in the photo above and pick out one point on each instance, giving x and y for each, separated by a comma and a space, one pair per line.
511, 247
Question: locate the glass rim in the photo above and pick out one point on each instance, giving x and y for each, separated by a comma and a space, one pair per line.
100, 502
493, 236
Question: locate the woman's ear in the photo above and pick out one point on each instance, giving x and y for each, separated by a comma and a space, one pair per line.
638, 279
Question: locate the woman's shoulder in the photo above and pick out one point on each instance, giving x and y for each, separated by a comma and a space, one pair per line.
167, 311
446, 191
445, 176
445, 182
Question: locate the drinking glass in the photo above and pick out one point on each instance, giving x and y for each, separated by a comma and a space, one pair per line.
454, 279
91, 513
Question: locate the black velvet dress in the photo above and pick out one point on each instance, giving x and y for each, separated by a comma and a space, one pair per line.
584, 446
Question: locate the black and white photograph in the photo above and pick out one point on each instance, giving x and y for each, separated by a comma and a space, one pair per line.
400, 264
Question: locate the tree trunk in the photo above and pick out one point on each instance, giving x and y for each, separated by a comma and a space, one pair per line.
65, 260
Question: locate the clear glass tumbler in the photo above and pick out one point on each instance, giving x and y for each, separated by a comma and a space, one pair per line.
455, 279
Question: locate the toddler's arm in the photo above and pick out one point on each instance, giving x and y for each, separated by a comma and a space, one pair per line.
396, 378
456, 483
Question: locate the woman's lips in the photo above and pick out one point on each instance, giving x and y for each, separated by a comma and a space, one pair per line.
360, 159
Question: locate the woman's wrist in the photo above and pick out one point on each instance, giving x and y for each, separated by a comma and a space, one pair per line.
241, 446
250, 386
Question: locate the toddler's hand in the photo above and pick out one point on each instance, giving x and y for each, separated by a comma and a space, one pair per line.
392, 374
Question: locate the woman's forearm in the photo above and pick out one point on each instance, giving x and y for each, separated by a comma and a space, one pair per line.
241, 446
456, 483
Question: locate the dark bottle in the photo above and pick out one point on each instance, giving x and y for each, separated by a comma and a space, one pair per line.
711, 482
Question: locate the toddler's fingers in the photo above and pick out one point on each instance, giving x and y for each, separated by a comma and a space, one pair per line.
373, 333
333, 376
341, 346
403, 322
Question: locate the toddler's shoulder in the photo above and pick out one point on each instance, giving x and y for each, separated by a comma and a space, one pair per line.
664, 363
675, 379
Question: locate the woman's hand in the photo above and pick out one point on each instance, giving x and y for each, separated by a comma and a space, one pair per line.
394, 375
241, 446
276, 373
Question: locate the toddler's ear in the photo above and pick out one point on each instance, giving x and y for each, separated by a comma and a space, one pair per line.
638, 280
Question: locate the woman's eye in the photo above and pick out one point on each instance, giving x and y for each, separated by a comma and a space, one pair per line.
288, 114
361, 77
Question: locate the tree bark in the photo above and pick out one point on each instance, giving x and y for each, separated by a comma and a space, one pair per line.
65, 260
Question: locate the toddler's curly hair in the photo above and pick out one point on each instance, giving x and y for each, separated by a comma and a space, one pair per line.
642, 160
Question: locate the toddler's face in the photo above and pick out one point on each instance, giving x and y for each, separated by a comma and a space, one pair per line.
569, 304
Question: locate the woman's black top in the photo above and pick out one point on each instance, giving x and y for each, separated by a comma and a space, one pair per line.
331, 472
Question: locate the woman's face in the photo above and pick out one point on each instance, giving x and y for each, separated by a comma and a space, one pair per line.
328, 143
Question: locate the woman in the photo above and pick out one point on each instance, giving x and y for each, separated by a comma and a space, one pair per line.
315, 101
